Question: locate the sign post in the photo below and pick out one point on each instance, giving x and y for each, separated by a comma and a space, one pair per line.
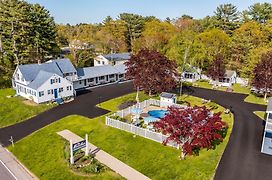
71, 152
87, 145
77, 146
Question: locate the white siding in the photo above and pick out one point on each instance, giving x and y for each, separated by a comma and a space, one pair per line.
64, 83
100, 61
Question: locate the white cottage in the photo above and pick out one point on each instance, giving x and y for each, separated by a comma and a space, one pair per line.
45, 82
191, 74
229, 78
167, 99
111, 59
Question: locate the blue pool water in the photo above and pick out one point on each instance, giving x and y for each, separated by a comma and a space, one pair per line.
158, 113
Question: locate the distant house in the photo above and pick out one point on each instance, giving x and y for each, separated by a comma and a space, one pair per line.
229, 78
267, 136
45, 82
191, 74
167, 99
111, 59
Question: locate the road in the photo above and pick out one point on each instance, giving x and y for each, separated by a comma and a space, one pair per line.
241, 160
5, 174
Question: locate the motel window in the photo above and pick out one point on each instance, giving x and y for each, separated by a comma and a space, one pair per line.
101, 77
41, 93
90, 80
60, 89
112, 75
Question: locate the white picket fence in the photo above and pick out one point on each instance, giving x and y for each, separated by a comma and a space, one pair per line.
158, 137
142, 105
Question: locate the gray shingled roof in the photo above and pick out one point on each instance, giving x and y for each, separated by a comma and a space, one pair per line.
40, 79
60, 66
229, 73
269, 105
96, 71
117, 57
121, 68
167, 95
65, 65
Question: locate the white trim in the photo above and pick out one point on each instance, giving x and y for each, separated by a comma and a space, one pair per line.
8, 169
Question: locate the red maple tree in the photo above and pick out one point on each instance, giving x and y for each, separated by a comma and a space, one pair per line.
263, 74
152, 71
217, 68
192, 128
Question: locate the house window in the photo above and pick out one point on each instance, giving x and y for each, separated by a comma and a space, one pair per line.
60, 89
101, 77
41, 93
103, 62
80, 82
17, 76
69, 88
52, 81
112, 75
59, 80
90, 80
98, 62
49, 91
121, 75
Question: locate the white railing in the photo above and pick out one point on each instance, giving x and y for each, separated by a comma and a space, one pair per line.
158, 137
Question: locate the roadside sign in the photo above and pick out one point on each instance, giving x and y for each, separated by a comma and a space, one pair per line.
79, 145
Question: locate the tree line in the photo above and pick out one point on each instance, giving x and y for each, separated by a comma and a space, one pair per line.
28, 34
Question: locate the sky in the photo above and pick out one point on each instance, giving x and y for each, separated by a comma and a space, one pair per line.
94, 11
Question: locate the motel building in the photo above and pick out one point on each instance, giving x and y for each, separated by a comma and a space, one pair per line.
58, 80
267, 137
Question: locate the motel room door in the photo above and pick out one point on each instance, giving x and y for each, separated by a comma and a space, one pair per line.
56, 93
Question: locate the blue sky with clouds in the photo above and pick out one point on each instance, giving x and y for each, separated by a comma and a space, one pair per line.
94, 11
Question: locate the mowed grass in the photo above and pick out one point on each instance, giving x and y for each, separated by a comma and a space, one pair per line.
14, 110
42, 152
260, 114
251, 98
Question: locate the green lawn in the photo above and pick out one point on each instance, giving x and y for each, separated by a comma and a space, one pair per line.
43, 151
260, 114
14, 110
251, 98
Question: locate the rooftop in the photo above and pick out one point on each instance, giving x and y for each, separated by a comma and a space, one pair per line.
117, 56
167, 95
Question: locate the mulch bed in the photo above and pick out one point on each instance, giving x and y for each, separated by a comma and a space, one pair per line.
126, 104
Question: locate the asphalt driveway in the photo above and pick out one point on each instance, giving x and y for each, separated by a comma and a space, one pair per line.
84, 105
242, 159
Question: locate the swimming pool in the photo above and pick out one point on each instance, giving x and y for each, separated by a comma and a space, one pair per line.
158, 113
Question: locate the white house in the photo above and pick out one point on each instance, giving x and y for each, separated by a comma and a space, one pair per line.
58, 79
228, 80
191, 74
45, 82
167, 99
111, 59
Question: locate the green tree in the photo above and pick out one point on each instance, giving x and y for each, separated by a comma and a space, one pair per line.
245, 38
134, 26
260, 12
155, 36
227, 16
44, 32
210, 43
